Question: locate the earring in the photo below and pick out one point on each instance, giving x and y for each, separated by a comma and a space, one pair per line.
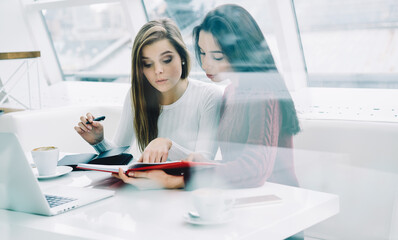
183, 62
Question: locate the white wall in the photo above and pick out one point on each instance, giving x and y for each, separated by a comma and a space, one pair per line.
14, 32
22, 30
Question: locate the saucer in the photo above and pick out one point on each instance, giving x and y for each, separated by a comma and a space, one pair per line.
225, 218
61, 170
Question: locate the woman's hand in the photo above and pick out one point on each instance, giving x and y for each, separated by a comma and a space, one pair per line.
159, 177
92, 132
157, 151
196, 157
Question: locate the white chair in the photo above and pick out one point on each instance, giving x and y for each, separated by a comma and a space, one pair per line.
357, 161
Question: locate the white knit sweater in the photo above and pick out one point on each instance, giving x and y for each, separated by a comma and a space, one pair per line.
190, 123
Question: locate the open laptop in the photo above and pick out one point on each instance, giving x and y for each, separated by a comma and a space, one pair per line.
20, 190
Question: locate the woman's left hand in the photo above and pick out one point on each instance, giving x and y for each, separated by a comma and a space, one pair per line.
196, 157
156, 151
159, 177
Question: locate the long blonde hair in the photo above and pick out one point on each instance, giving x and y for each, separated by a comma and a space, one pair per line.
145, 98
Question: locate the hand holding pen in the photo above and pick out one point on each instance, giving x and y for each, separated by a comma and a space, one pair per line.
90, 128
96, 119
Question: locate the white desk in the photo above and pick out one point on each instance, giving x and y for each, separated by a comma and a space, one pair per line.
158, 214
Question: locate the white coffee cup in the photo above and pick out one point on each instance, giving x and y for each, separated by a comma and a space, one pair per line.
46, 160
211, 203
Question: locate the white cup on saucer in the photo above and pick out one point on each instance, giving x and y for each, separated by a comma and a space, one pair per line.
46, 160
212, 204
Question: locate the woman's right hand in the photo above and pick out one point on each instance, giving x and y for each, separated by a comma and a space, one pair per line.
93, 132
157, 151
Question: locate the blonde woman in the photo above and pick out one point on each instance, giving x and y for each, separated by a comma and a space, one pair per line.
169, 114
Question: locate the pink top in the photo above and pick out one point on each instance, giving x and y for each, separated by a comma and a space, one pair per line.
253, 146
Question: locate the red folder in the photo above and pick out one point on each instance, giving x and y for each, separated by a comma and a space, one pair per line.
175, 168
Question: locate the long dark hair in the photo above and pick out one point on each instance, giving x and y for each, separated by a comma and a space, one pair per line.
244, 46
145, 98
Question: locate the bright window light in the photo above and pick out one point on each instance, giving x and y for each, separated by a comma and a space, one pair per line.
88, 39
353, 40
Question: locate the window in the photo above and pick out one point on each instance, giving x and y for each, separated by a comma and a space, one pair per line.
349, 43
91, 42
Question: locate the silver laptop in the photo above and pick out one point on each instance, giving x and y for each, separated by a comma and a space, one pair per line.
20, 190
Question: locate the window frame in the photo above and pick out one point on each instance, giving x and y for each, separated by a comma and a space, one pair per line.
42, 37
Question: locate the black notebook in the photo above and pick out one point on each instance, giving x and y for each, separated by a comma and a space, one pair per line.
115, 156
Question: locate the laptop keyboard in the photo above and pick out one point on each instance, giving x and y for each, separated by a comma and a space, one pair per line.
57, 200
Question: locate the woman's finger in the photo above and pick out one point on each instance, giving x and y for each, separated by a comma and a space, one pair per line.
116, 175
123, 176
90, 117
96, 124
83, 118
165, 156
145, 157
151, 157
190, 158
78, 130
138, 174
158, 157
83, 127
83, 121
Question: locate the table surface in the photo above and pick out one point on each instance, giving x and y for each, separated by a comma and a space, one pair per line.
159, 214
